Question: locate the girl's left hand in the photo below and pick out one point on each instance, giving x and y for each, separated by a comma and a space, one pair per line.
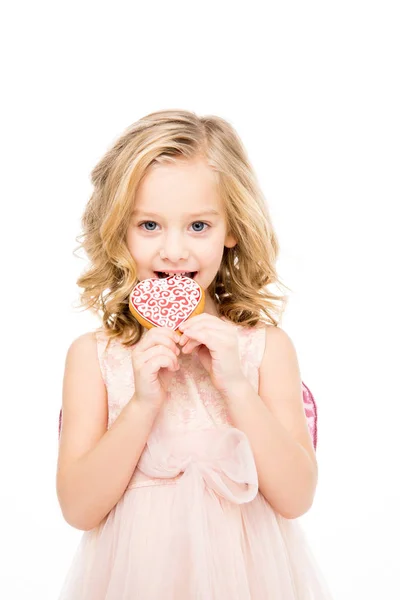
219, 349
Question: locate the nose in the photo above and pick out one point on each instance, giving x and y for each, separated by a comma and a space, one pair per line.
173, 249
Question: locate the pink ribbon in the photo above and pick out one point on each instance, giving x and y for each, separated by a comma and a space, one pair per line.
221, 457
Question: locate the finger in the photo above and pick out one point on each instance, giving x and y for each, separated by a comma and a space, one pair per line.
161, 331
139, 357
154, 365
191, 332
211, 339
165, 378
153, 353
155, 336
158, 350
203, 319
190, 346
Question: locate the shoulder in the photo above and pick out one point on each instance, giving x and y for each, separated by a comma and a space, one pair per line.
85, 342
277, 338
279, 356
272, 342
83, 356
88, 344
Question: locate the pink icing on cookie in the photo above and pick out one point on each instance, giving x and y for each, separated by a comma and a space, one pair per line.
166, 302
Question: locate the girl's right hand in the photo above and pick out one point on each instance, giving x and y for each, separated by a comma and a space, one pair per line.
154, 359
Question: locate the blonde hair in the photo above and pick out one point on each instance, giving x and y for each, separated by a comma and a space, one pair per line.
240, 286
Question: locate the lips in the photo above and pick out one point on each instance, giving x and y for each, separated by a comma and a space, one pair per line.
165, 274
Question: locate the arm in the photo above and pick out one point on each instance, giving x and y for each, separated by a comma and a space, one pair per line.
95, 464
275, 423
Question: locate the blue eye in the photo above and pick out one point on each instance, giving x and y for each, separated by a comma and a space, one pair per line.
201, 223
146, 222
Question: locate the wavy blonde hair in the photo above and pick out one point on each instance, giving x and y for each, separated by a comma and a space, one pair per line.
246, 271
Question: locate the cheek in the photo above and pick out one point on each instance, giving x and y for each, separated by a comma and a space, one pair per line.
130, 243
137, 247
213, 251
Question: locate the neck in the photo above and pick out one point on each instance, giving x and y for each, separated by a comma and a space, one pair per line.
210, 307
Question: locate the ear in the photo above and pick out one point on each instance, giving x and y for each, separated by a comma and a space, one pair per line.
230, 241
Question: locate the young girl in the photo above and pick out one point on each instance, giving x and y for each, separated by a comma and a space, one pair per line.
185, 459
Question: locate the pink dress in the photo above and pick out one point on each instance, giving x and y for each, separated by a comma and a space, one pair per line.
191, 523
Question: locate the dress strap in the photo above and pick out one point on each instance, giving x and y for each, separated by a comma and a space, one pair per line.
102, 343
261, 340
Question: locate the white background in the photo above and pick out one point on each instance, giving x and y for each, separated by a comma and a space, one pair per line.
312, 88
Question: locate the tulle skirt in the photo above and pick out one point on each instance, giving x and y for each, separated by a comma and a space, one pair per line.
209, 535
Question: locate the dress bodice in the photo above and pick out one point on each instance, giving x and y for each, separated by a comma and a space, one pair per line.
193, 403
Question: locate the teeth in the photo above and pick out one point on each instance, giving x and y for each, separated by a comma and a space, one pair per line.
187, 274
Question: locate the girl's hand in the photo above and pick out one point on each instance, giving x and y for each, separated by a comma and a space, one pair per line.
154, 359
218, 352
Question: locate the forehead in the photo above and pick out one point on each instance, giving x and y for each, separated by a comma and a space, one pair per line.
187, 186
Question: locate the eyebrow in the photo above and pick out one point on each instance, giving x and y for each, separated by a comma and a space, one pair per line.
195, 215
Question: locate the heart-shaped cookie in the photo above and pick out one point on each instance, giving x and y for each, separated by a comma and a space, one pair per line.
166, 302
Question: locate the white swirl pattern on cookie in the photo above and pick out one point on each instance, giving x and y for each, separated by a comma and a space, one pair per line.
166, 302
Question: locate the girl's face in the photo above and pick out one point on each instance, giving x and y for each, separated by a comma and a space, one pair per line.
178, 224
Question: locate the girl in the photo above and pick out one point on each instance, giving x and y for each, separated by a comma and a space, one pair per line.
186, 460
